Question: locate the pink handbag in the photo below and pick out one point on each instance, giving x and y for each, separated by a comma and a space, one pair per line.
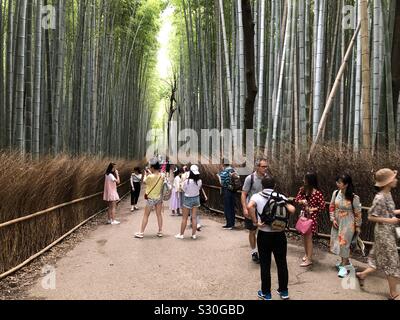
304, 224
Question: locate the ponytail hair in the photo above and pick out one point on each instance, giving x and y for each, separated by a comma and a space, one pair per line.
347, 180
194, 177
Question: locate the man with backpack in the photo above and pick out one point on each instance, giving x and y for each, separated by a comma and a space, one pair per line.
230, 182
269, 211
251, 186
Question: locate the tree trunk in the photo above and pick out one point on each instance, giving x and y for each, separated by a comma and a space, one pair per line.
28, 79
20, 71
358, 114
319, 65
10, 75
2, 91
227, 67
248, 30
37, 81
59, 73
396, 55
261, 75
242, 59
365, 76
333, 92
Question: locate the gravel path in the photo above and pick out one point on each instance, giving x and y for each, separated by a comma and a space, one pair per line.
111, 264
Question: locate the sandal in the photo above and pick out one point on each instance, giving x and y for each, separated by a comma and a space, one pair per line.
360, 279
159, 234
394, 298
304, 259
139, 235
306, 263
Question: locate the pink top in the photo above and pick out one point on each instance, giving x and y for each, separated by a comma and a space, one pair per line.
110, 188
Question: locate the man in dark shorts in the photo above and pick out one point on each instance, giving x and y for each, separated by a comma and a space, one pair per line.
251, 186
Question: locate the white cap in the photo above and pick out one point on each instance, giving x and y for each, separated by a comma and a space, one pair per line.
195, 169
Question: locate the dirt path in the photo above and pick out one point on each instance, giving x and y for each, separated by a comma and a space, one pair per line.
111, 264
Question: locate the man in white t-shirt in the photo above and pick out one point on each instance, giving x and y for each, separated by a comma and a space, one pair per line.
270, 242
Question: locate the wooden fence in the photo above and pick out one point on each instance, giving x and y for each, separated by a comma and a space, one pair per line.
25, 238
215, 203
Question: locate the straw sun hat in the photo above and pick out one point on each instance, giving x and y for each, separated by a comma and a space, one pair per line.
384, 176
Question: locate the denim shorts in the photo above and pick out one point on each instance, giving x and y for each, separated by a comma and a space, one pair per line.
153, 202
191, 202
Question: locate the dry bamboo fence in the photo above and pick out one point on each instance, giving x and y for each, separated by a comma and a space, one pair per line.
25, 238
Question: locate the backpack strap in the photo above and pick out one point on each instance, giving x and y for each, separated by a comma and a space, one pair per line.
336, 194
352, 205
251, 181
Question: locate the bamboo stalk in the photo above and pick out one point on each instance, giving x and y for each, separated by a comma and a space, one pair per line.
365, 76
335, 87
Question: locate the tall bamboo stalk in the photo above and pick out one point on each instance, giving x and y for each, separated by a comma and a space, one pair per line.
227, 67
261, 75
365, 75
20, 72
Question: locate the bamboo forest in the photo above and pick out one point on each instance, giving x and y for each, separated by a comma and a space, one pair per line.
81, 76
102, 99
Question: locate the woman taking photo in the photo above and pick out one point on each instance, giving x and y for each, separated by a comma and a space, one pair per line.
175, 202
312, 204
136, 179
110, 194
191, 201
154, 182
345, 215
384, 255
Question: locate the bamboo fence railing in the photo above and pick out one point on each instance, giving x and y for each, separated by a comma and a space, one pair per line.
215, 204
26, 238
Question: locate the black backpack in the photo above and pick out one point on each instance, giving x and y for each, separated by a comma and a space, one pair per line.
234, 183
275, 211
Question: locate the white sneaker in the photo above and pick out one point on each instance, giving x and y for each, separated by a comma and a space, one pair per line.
136, 208
198, 227
115, 222
345, 270
194, 237
179, 236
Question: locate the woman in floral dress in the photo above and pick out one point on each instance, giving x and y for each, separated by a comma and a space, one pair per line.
312, 204
346, 218
384, 255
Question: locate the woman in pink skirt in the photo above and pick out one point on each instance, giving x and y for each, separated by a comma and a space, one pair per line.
110, 192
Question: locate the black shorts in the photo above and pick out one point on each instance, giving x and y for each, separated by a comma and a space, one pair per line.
248, 223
